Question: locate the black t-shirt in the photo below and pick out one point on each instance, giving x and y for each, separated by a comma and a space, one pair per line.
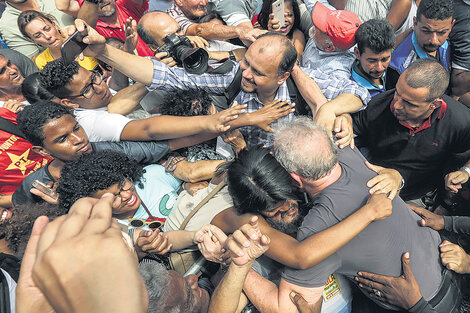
147, 152
418, 156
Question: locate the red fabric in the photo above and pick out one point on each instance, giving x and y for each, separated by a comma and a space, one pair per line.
124, 9
17, 160
427, 123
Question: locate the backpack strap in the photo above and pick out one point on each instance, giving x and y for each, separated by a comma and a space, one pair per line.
234, 88
301, 107
204, 201
10, 127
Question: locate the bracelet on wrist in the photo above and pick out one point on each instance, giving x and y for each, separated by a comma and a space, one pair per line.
402, 184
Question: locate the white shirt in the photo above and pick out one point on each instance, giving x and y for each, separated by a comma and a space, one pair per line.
100, 125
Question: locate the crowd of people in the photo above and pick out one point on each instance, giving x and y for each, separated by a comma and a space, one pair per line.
235, 156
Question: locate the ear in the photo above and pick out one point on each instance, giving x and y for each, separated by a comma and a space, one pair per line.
356, 52
283, 78
69, 104
297, 179
41, 151
415, 21
436, 103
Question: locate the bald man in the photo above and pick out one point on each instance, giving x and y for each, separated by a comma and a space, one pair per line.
267, 64
153, 27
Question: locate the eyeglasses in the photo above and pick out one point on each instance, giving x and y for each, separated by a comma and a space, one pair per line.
118, 198
89, 90
139, 222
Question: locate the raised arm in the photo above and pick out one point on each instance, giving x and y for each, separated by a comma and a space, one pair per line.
312, 250
71, 7
125, 101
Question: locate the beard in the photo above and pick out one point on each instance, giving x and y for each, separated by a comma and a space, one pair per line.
287, 228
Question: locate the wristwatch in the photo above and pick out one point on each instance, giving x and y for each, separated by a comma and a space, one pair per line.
232, 56
466, 169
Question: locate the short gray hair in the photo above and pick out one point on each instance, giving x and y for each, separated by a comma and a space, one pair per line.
305, 148
157, 281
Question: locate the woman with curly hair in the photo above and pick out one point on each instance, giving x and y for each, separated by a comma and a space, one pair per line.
146, 194
41, 29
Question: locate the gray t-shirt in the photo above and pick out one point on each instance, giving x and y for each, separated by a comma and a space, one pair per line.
379, 247
142, 152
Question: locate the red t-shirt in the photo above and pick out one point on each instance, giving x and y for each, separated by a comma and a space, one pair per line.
17, 160
124, 9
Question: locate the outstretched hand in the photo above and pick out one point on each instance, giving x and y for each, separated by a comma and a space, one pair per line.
247, 243
270, 113
428, 218
454, 257
219, 122
387, 181
402, 291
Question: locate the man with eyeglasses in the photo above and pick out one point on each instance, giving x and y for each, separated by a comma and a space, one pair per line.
54, 132
101, 114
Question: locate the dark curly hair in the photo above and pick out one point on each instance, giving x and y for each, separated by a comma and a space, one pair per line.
256, 181
33, 118
186, 103
93, 172
33, 90
56, 75
377, 35
435, 9
267, 9
17, 229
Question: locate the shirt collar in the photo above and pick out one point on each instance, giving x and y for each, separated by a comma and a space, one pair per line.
363, 79
427, 122
419, 51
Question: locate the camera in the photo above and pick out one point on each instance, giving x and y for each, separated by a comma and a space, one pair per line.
194, 60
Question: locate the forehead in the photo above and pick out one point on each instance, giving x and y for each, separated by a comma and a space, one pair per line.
434, 25
414, 95
368, 53
37, 23
79, 80
58, 127
264, 56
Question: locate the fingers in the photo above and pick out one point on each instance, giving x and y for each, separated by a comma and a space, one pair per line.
393, 194
76, 219
373, 167
101, 216
30, 253
48, 234
218, 233
405, 263
299, 302
419, 210
372, 280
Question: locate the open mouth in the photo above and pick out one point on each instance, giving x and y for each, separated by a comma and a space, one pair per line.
132, 200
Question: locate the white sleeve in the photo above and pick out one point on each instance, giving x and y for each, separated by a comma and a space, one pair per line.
101, 125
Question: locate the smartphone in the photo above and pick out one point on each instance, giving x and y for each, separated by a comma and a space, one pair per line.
278, 11
73, 46
39, 185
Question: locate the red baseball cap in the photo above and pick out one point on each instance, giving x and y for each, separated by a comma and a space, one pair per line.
339, 25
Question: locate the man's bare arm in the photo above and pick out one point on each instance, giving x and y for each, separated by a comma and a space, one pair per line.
125, 101
88, 13
310, 91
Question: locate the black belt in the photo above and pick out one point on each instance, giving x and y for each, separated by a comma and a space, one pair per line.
448, 297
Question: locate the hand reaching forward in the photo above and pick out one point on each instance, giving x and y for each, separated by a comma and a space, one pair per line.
247, 243
218, 123
454, 257
429, 219
270, 113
